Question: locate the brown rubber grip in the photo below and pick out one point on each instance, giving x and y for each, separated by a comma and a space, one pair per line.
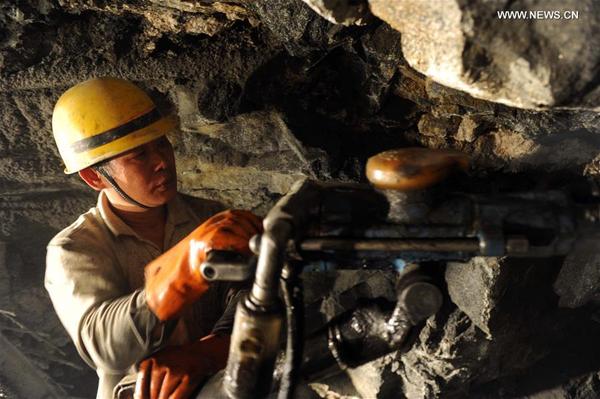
413, 168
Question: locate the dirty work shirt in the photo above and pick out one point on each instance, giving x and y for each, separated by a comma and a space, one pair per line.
95, 278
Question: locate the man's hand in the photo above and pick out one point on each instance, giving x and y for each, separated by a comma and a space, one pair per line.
176, 371
173, 280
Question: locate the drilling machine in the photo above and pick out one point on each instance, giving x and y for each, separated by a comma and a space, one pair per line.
404, 217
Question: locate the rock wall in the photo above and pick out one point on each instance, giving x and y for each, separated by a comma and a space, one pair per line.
539, 60
269, 91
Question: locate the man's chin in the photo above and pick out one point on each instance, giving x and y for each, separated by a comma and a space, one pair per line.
161, 197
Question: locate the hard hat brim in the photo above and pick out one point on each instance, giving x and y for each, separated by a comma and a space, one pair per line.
76, 162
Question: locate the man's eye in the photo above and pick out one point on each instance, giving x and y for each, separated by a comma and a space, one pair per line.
139, 155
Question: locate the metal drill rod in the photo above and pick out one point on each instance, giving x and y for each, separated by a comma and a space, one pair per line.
514, 245
470, 245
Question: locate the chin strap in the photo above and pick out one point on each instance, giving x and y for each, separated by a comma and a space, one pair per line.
118, 189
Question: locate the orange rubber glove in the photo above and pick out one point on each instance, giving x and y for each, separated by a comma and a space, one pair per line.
173, 280
175, 372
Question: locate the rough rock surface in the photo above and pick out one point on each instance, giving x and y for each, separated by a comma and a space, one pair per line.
269, 91
533, 61
475, 288
500, 137
578, 282
344, 12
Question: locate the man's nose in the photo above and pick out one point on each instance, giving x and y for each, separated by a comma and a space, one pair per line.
158, 159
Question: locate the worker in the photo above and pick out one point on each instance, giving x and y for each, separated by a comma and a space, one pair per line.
124, 278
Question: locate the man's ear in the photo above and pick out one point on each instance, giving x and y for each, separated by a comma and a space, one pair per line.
92, 178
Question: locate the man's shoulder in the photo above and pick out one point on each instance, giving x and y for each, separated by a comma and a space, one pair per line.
201, 208
88, 228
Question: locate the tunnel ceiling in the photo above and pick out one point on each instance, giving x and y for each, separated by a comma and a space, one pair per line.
270, 91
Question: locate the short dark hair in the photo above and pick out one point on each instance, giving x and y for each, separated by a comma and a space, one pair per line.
102, 164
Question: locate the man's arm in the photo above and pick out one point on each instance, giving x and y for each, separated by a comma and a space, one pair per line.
111, 328
173, 282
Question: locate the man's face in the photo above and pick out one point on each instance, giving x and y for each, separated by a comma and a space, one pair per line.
147, 173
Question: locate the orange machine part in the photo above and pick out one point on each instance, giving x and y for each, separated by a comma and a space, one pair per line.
408, 169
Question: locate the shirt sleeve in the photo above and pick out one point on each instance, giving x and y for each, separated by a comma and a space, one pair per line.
111, 328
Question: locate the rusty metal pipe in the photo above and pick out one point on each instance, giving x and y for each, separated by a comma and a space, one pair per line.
257, 326
270, 262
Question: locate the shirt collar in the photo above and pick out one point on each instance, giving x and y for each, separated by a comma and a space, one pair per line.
177, 214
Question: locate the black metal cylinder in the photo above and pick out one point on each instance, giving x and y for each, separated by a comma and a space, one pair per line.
252, 352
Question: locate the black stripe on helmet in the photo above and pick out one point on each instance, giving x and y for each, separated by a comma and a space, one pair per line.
89, 143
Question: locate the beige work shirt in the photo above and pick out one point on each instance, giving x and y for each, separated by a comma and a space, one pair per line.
95, 278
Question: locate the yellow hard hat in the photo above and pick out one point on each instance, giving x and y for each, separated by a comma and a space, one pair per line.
104, 117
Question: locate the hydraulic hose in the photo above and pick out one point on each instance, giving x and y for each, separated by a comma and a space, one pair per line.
292, 292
